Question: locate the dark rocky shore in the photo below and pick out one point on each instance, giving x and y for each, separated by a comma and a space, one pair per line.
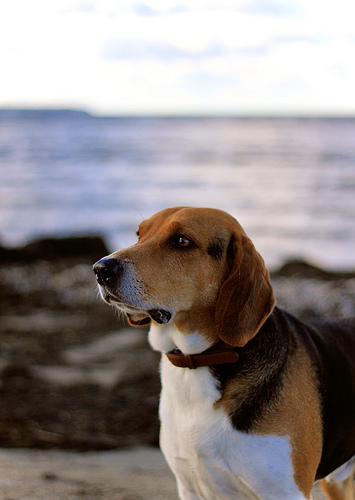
73, 374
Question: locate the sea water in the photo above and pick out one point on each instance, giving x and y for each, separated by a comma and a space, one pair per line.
289, 181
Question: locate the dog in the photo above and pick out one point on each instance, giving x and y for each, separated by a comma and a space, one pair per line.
250, 395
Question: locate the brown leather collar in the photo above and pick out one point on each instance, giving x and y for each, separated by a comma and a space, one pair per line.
218, 354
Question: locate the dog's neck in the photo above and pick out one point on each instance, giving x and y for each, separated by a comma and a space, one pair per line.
166, 338
189, 350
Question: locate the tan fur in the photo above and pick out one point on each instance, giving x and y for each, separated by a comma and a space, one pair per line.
344, 490
246, 298
173, 277
178, 277
298, 415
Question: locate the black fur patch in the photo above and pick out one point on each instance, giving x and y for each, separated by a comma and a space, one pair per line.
262, 361
215, 249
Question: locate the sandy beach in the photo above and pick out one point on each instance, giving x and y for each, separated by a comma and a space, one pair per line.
134, 474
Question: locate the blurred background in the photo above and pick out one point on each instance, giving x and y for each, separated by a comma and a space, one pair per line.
112, 110
243, 105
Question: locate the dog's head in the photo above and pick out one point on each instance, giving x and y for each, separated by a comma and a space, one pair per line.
193, 266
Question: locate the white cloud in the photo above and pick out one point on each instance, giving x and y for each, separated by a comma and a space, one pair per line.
278, 8
122, 49
167, 56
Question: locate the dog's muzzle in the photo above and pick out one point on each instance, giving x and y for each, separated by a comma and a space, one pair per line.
108, 272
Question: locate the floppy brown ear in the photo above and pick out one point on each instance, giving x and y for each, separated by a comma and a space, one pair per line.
246, 298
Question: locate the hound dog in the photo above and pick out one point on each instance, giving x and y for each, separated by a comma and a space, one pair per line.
250, 395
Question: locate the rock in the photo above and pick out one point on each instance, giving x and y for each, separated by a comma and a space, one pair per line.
49, 249
301, 269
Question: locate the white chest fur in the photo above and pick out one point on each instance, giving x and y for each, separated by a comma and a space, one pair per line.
210, 459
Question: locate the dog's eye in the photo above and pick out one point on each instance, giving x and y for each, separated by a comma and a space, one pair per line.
179, 241
184, 242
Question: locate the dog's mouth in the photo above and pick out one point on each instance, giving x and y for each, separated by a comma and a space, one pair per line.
161, 316
137, 316
140, 322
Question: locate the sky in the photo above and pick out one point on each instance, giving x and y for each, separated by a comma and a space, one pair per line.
166, 57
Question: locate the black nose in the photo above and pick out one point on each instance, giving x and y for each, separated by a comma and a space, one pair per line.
107, 271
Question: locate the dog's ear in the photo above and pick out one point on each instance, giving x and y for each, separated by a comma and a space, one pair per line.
246, 298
